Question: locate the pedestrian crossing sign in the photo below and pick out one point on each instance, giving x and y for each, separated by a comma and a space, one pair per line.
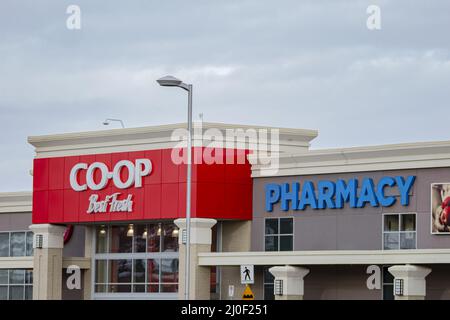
247, 274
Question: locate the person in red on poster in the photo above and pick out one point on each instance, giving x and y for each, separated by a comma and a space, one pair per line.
440, 201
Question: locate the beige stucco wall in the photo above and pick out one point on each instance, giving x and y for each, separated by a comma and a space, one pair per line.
199, 288
236, 237
47, 274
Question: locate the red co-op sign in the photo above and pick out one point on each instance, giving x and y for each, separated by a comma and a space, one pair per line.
133, 186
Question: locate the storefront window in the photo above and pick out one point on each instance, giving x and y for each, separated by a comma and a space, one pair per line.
16, 244
29, 292
399, 231
169, 275
391, 222
16, 276
271, 226
139, 274
391, 241
271, 243
3, 276
120, 271
3, 292
140, 238
4, 244
286, 225
16, 284
120, 275
279, 234
153, 275
121, 239
101, 275
169, 287
154, 237
29, 244
139, 271
138, 258
170, 238
286, 243
18, 247
408, 222
102, 239
169, 270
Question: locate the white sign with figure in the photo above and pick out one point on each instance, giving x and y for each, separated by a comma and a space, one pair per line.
247, 274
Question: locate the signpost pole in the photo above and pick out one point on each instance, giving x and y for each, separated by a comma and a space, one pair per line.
188, 193
170, 81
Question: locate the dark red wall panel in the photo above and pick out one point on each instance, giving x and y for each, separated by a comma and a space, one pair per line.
40, 174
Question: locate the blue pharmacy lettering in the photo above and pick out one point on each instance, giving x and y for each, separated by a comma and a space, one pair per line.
301, 195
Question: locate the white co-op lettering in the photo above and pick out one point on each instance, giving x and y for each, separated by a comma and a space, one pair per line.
115, 205
137, 170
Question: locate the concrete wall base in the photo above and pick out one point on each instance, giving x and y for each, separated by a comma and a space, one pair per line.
409, 297
414, 283
290, 297
293, 284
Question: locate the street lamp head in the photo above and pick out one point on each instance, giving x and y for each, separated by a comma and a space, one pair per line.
107, 122
169, 81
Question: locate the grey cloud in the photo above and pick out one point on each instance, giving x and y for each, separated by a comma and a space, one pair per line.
308, 64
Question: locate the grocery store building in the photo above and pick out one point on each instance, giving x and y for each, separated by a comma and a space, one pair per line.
106, 218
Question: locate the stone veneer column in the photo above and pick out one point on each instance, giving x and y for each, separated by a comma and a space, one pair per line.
293, 284
414, 283
47, 268
201, 237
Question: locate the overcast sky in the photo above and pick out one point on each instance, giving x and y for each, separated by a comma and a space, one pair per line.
303, 64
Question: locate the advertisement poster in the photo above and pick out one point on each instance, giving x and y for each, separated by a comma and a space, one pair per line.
440, 208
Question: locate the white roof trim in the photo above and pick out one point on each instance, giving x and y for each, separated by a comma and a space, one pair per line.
372, 158
148, 138
11, 202
336, 257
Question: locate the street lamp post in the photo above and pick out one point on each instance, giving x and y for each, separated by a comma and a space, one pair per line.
169, 81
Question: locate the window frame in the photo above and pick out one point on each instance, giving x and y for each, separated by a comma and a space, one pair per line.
399, 232
278, 234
